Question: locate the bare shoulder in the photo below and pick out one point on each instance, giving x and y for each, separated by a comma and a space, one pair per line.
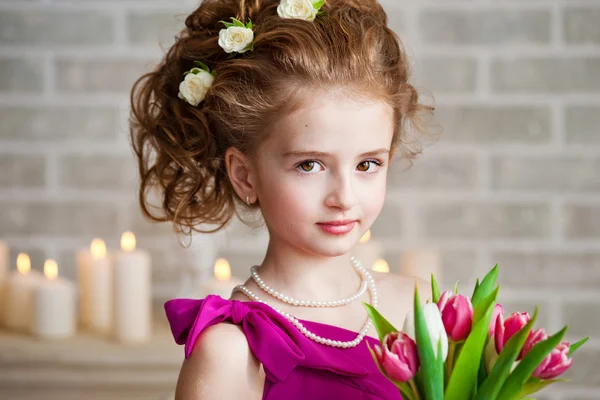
220, 355
396, 293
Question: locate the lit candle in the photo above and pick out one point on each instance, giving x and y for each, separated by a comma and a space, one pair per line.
95, 286
381, 266
367, 250
19, 300
54, 305
133, 292
421, 263
222, 283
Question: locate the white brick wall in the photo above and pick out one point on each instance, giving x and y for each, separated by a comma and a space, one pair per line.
515, 178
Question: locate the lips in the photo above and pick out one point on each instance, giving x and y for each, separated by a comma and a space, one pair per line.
337, 227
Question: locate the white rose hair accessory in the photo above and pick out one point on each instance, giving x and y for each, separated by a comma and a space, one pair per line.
196, 83
238, 37
300, 9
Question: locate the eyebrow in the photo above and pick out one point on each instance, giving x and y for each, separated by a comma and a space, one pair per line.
321, 154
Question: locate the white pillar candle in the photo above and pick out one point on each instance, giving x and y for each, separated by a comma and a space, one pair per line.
368, 250
422, 263
95, 286
133, 292
222, 283
4, 260
19, 299
54, 305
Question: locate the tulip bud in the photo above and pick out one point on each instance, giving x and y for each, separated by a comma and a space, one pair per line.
508, 328
435, 327
555, 363
457, 315
497, 313
398, 357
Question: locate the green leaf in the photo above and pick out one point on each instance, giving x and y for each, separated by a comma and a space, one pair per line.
433, 375
492, 385
318, 4
195, 70
476, 287
227, 24
535, 385
456, 288
382, 326
435, 291
573, 348
463, 379
486, 287
249, 24
238, 23
528, 364
202, 65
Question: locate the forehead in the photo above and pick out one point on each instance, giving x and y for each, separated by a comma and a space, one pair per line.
335, 123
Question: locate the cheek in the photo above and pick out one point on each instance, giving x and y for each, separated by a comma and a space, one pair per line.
373, 198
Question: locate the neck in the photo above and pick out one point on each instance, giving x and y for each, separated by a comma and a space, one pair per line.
308, 276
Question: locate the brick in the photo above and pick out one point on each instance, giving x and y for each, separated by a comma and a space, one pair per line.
553, 173
21, 75
436, 172
153, 28
447, 74
22, 171
583, 317
494, 124
141, 226
50, 218
49, 27
32, 123
486, 27
485, 220
585, 370
582, 125
389, 221
100, 75
97, 172
581, 25
582, 221
548, 269
547, 75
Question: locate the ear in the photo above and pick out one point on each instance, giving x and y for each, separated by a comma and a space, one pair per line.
241, 173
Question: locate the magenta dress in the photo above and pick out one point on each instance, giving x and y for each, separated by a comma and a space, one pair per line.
295, 366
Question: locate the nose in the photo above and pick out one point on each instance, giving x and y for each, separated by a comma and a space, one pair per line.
341, 194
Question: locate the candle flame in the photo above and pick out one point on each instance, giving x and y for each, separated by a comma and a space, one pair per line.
381, 266
222, 270
128, 241
98, 249
366, 237
50, 269
23, 263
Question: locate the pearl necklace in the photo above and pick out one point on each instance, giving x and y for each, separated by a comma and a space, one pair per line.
307, 303
313, 336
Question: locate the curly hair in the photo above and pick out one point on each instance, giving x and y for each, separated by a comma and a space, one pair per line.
180, 148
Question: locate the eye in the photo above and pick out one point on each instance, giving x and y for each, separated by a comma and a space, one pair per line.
365, 166
308, 167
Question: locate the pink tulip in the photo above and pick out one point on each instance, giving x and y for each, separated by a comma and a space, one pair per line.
508, 328
497, 313
555, 363
457, 315
398, 358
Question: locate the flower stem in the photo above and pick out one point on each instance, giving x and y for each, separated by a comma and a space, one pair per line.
414, 389
450, 360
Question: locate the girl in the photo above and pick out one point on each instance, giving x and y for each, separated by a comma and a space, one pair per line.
292, 109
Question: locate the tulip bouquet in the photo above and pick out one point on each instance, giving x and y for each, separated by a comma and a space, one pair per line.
458, 348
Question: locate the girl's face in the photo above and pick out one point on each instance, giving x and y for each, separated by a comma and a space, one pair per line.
325, 163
